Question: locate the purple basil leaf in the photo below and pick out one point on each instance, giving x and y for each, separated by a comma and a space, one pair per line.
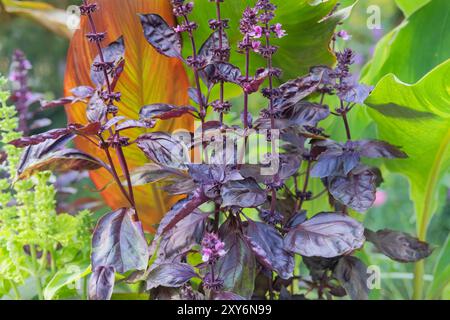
318, 266
238, 267
151, 172
296, 219
325, 235
180, 210
113, 53
220, 71
39, 138
294, 91
245, 194
207, 49
336, 160
305, 113
160, 35
399, 246
56, 103
267, 245
101, 284
162, 148
132, 124
96, 109
379, 149
193, 95
225, 295
352, 275
58, 161
357, 190
172, 275
183, 236
148, 112
358, 93
112, 122
119, 241
83, 92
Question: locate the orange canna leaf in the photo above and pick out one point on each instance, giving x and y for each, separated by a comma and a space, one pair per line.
148, 78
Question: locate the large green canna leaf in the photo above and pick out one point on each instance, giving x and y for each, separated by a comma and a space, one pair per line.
307, 43
410, 6
415, 47
441, 273
417, 117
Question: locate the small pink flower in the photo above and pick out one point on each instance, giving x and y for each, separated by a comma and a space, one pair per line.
257, 32
178, 29
380, 198
256, 45
344, 35
279, 30
206, 254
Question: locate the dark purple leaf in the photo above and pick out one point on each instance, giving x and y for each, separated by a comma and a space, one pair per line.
238, 267
318, 266
325, 235
179, 211
176, 113
39, 138
172, 275
207, 49
83, 92
160, 35
119, 241
305, 113
244, 193
357, 190
59, 161
96, 109
56, 103
220, 71
183, 236
193, 95
296, 219
225, 295
399, 246
113, 53
132, 124
295, 90
164, 149
352, 275
101, 284
151, 172
379, 149
358, 93
112, 122
336, 160
267, 245
164, 111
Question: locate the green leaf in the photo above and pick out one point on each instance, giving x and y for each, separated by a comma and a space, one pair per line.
406, 50
69, 274
306, 45
410, 6
441, 273
417, 117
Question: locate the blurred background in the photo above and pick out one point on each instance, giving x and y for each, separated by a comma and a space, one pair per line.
47, 53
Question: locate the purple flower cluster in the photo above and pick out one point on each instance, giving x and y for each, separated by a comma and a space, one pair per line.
212, 248
21, 94
255, 24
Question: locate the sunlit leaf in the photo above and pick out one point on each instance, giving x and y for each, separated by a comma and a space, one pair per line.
146, 79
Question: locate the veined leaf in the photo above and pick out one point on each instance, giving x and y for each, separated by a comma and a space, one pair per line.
417, 117
145, 80
65, 276
410, 6
405, 50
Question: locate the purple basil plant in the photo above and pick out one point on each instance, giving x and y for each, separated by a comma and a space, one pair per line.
241, 226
